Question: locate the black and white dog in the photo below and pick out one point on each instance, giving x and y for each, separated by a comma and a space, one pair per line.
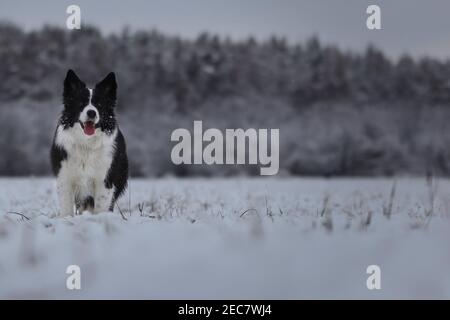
88, 154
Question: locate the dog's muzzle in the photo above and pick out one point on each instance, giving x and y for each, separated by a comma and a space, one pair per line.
88, 127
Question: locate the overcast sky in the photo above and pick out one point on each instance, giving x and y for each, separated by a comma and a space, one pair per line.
417, 27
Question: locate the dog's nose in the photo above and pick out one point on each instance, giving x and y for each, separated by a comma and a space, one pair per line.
91, 114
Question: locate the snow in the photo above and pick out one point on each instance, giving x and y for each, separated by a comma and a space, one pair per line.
246, 238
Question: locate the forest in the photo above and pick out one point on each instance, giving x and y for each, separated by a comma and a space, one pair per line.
340, 113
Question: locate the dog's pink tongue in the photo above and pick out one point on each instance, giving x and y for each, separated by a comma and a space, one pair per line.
89, 128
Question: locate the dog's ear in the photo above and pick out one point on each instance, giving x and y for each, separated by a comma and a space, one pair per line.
107, 88
72, 84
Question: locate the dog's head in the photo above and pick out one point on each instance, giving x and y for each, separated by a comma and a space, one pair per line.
89, 109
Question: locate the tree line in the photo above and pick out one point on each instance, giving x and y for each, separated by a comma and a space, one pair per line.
339, 112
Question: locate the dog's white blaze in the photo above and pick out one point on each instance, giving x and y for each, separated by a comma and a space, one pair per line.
84, 171
83, 114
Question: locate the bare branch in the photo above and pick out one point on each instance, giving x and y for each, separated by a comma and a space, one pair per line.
121, 213
251, 209
387, 210
19, 214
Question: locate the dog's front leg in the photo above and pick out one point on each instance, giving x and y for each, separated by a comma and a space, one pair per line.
103, 198
66, 198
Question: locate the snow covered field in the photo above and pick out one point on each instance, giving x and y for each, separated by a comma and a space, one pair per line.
231, 238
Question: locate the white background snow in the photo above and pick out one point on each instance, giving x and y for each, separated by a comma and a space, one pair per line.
231, 238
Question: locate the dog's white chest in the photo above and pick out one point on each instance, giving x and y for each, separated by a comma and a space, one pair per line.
86, 163
88, 159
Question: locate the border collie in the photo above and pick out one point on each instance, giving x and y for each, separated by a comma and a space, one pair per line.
88, 154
